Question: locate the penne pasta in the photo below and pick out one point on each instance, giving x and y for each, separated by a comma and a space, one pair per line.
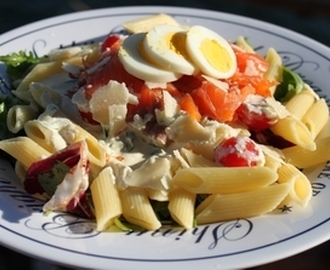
195, 160
316, 117
182, 207
24, 150
44, 70
20, 170
137, 208
18, 115
220, 207
304, 158
325, 131
274, 71
273, 157
242, 42
44, 95
294, 105
272, 162
39, 73
223, 179
44, 135
295, 131
106, 199
312, 172
157, 195
75, 133
55, 133
301, 190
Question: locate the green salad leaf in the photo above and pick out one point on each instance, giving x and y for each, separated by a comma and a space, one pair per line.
290, 85
18, 63
122, 226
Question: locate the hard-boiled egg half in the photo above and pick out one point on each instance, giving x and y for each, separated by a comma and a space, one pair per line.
138, 64
166, 52
166, 44
210, 52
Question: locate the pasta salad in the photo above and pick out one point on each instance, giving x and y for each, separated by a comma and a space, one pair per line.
165, 124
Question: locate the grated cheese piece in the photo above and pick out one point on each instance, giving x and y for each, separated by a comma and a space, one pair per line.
145, 24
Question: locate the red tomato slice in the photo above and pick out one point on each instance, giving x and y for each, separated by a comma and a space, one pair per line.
237, 152
255, 117
110, 42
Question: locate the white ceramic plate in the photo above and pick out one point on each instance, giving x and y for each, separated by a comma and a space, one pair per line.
242, 243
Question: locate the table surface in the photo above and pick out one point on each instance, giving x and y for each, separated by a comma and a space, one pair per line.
308, 17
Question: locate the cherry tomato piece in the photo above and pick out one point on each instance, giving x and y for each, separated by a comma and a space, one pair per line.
257, 115
109, 42
255, 121
238, 151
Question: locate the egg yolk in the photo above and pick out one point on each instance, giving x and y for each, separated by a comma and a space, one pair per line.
176, 42
217, 56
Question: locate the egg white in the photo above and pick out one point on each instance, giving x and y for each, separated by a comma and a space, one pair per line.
166, 44
136, 65
196, 35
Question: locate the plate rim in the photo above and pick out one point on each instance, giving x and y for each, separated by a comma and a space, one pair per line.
183, 9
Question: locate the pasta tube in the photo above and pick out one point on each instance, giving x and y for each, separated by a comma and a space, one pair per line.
44, 135
294, 104
223, 179
18, 115
316, 117
242, 42
40, 72
304, 158
182, 207
106, 199
137, 208
301, 190
195, 160
274, 71
24, 150
295, 131
220, 207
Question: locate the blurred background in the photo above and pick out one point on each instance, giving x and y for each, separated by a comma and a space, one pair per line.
308, 17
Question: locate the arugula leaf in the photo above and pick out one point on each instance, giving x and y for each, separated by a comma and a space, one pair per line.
290, 85
18, 63
122, 226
